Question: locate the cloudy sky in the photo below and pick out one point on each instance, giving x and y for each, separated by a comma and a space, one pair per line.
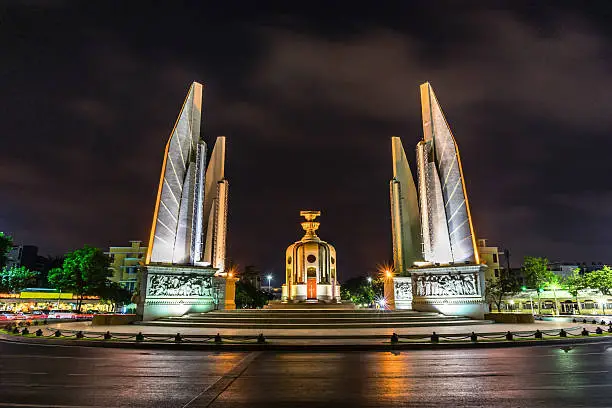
308, 98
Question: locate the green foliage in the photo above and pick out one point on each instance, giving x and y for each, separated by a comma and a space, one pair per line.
574, 282
114, 293
84, 272
496, 289
248, 297
16, 278
361, 292
537, 274
6, 243
601, 280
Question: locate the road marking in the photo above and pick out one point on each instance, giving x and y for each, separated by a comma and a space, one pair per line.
212, 392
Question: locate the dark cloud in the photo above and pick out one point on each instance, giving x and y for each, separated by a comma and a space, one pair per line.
308, 104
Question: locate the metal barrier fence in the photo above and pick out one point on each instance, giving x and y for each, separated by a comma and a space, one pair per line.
25, 329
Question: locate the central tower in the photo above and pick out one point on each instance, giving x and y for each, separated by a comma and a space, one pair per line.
311, 267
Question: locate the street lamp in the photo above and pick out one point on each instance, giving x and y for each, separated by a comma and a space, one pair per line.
269, 280
369, 278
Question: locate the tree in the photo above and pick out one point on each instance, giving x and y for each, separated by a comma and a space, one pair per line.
84, 272
574, 283
48, 262
6, 243
249, 297
537, 274
496, 289
361, 290
16, 278
113, 292
602, 281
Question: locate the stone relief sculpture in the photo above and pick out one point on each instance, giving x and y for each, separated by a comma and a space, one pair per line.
446, 285
403, 290
180, 285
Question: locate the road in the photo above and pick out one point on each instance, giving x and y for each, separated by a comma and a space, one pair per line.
67, 377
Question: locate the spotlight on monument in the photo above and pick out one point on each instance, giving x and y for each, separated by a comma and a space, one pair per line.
381, 302
385, 270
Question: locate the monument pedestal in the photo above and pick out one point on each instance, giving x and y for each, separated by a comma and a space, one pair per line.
173, 290
402, 292
453, 290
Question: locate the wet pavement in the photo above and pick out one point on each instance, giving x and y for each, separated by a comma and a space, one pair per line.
544, 376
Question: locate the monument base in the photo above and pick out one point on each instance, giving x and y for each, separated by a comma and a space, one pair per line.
453, 290
174, 290
402, 292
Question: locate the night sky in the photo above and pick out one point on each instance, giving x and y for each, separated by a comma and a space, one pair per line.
308, 98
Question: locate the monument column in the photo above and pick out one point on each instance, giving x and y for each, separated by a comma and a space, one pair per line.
184, 270
230, 292
389, 291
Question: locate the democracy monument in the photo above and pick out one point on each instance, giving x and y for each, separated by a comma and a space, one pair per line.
434, 246
311, 267
436, 262
184, 270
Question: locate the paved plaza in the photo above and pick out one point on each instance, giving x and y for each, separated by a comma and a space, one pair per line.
68, 377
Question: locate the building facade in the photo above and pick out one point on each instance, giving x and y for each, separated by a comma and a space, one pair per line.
489, 255
125, 261
252, 275
23, 255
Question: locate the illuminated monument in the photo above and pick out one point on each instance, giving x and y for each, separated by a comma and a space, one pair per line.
184, 269
311, 267
434, 245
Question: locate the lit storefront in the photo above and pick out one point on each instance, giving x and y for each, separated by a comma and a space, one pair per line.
30, 300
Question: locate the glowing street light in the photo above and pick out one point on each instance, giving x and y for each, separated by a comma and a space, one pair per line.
269, 281
369, 278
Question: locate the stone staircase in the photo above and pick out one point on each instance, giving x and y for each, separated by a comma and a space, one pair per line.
311, 318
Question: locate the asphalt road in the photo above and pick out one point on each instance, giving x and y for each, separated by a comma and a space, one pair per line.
57, 376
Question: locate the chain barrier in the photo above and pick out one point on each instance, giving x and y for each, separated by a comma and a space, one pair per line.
51, 332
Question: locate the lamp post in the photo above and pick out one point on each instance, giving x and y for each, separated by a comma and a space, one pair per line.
269, 281
369, 279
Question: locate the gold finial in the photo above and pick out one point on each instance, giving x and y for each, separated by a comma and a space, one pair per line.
310, 226
310, 215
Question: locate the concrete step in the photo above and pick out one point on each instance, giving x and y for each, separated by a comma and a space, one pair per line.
313, 314
312, 326
304, 321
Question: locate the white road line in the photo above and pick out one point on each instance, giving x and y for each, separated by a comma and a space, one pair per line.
210, 393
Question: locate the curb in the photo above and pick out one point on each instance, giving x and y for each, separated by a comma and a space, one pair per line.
271, 346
